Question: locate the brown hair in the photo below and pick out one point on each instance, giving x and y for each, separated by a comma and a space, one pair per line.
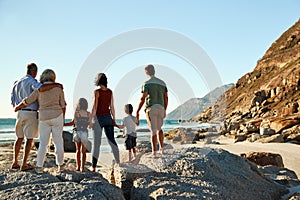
150, 69
31, 69
128, 108
101, 79
82, 104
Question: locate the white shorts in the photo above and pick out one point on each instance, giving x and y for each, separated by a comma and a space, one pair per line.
27, 124
81, 136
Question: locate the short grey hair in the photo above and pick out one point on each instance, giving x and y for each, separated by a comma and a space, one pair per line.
48, 76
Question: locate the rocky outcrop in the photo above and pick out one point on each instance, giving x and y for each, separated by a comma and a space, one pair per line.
196, 173
281, 176
33, 185
271, 92
50, 184
188, 135
201, 173
264, 158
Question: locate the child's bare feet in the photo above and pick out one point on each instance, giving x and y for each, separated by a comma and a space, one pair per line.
93, 169
117, 165
152, 155
133, 159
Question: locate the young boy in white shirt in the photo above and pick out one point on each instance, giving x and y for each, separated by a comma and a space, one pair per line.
129, 124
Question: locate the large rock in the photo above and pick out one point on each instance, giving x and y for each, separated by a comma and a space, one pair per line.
33, 185
69, 145
124, 176
197, 173
280, 124
280, 175
277, 138
182, 135
264, 158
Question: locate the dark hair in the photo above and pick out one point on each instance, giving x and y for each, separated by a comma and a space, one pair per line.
82, 104
31, 68
129, 108
150, 69
101, 79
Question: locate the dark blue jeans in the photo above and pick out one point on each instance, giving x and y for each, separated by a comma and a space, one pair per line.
104, 122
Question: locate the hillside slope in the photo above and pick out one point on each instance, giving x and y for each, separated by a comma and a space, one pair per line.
271, 90
194, 106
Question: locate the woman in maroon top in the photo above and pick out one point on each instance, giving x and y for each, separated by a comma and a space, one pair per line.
104, 118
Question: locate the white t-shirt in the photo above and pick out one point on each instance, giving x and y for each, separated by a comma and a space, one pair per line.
130, 125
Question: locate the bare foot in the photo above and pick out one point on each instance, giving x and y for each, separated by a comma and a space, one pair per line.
152, 155
133, 160
161, 151
117, 165
15, 166
93, 169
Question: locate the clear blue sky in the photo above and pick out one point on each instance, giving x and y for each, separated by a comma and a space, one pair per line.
62, 34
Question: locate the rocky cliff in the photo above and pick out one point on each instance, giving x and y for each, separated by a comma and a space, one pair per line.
194, 106
271, 92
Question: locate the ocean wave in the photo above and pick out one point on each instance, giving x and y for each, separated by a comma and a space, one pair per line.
6, 131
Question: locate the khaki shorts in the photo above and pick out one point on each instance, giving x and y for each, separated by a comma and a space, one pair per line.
155, 119
27, 124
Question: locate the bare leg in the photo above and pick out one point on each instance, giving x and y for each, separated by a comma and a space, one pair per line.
130, 156
154, 142
78, 154
161, 140
28, 146
17, 148
83, 150
134, 152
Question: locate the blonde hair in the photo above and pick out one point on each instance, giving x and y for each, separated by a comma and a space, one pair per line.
48, 76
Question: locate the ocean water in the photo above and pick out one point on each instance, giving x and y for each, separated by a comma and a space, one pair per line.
7, 131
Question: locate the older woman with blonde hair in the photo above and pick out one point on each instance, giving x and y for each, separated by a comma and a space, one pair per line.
52, 106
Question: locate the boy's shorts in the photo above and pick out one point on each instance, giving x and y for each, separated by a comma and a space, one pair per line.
130, 142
